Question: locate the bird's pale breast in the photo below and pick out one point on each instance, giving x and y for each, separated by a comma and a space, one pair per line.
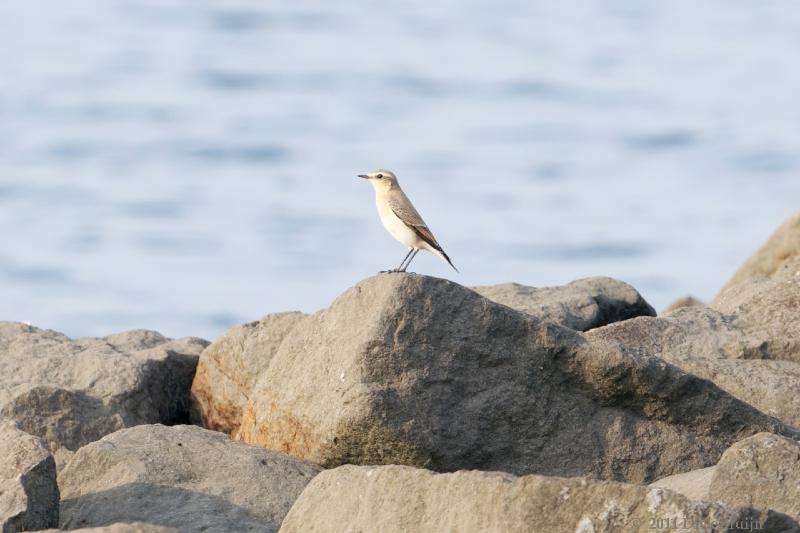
395, 226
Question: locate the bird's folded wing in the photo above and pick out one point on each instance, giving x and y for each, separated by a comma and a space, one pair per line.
402, 208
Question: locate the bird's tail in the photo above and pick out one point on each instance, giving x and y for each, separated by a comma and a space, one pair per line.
444, 256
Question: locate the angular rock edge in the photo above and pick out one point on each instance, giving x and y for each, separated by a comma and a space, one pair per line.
762, 471
581, 305
180, 476
783, 244
229, 367
749, 345
71, 392
28, 491
398, 499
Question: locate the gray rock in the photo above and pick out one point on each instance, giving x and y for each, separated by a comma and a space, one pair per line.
184, 477
408, 369
771, 386
684, 301
228, 368
135, 527
581, 305
766, 311
762, 472
28, 489
400, 499
72, 392
783, 244
749, 345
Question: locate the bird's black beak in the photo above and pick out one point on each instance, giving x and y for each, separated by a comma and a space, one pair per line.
363, 176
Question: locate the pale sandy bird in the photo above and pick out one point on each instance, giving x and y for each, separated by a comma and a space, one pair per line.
400, 218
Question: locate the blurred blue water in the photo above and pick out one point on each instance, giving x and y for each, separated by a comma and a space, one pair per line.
188, 165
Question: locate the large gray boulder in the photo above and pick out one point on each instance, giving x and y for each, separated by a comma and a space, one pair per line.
399, 499
28, 489
408, 369
184, 477
72, 392
782, 245
749, 344
229, 367
581, 305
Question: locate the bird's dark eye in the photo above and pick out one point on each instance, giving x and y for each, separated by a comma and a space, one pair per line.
379, 176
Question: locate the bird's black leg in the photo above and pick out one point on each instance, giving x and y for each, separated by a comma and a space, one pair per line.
413, 255
398, 269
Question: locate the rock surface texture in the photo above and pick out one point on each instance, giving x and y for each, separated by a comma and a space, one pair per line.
401, 499
28, 489
762, 472
228, 368
581, 305
685, 301
72, 392
414, 370
134, 527
748, 344
184, 477
766, 311
694, 485
782, 245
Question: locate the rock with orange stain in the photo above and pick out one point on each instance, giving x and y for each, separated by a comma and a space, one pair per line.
229, 367
415, 370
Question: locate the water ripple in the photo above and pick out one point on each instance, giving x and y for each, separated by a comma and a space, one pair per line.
764, 162
578, 252
662, 140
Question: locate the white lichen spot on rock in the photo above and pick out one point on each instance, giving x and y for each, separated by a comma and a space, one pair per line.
585, 525
654, 499
613, 515
564, 493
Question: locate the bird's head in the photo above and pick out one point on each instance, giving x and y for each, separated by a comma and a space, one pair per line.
381, 179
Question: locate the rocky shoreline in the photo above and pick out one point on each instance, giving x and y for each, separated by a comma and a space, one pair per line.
416, 404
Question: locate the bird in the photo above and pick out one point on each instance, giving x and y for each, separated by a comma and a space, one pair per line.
401, 220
